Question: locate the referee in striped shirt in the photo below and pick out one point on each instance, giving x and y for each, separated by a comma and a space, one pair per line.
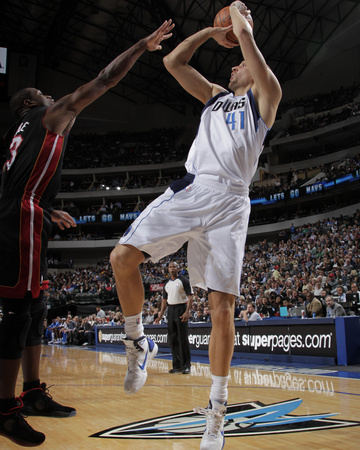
178, 298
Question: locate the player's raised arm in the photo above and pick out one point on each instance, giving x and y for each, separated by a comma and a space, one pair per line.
267, 90
60, 117
177, 63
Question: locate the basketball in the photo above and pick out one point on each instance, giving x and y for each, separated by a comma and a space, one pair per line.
223, 19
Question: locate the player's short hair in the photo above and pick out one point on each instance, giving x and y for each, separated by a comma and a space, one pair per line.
17, 101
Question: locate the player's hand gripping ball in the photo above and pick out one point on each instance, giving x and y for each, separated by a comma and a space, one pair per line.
223, 19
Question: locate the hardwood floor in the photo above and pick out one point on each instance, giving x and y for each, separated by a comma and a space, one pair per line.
92, 382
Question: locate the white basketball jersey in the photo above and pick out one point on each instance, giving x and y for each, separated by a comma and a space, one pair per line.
229, 140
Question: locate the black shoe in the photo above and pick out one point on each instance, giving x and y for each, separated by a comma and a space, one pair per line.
38, 402
175, 371
186, 371
14, 427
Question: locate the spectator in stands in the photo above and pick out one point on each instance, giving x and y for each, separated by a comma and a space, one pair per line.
243, 303
89, 331
194, 311
100, 313
71, 334
314, 306
79, 337
258, 304
353, 295
287, 303
348, 265
276, 274
65, 330
278, 304
119, 318
340, 294
207, 314
200, 315
295, 297
317, 288
333, 309
147, 316
47, 332
54, 329
237, 309
250, 314
330, 282
301, 302
266, 310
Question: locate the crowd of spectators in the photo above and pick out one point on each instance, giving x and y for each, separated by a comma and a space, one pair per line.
294, 212
160, 145
321, 259
124, 149
273, 215
157, 146
295, 178
309, 264
77, 330
310, 123
270, 185
119, 183
321, 102
66, 286
300, 269
282, 181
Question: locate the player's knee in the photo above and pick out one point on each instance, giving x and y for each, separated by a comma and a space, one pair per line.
117, 257
38, 315
222, 316
14, 328
125, 258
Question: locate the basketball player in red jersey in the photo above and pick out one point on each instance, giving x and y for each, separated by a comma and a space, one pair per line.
31, 180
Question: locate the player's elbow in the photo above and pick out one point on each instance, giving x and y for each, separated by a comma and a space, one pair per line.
168, 62
173, 62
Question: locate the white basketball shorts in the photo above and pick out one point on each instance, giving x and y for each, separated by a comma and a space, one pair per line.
212, 217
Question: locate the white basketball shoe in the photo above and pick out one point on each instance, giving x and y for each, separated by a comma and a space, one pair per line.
139, 353
213, 437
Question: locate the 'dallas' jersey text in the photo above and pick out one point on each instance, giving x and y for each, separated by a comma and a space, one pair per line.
229, 140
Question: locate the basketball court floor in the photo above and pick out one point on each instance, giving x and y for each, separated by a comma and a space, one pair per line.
270, 406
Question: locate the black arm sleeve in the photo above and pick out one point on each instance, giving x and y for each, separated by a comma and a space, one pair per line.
186, 283
165, 294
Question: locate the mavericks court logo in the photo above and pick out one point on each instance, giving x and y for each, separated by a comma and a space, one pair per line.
242, 419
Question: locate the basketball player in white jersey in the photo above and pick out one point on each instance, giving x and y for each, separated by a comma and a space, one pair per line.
209, 208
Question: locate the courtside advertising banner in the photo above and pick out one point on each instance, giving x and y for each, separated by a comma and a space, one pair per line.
295, 339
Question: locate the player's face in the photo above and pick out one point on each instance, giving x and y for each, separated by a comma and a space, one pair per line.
42, 99
240, 77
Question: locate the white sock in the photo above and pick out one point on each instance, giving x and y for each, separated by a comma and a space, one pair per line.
133, 327
219, 390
